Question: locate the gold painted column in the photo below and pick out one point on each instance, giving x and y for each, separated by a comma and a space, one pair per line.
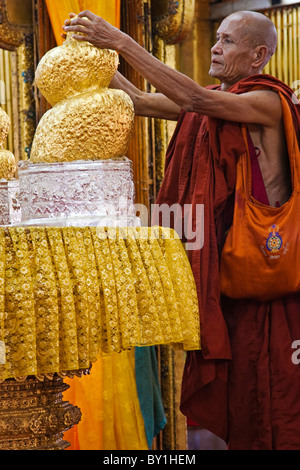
172, 26
194, 53
16, 41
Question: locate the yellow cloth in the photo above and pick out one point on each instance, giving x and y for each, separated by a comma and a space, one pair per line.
59, 10
69, 294
108, 399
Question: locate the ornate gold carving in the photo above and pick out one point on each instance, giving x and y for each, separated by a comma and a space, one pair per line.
172, 19
16, 36
19, 13
33, 415
163, 129
14, 22
25, 67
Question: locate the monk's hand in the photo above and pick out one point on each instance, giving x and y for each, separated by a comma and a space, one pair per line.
67, 23
87, 26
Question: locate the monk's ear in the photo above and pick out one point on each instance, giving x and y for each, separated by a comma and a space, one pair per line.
260, 56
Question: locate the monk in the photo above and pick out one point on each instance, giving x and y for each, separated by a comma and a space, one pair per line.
243, 385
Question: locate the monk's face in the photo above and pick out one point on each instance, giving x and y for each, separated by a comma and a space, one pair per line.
232, 55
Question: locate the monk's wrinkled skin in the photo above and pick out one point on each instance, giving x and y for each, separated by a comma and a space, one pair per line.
243, 385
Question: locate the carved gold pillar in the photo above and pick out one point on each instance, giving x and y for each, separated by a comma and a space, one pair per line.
15, 22
136, 21
172, 23
173, 20
194, 53
16, 37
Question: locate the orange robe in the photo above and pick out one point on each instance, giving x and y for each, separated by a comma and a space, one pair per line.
234, 387
109, 402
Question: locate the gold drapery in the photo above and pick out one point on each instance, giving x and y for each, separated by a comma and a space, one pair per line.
108, 400
68, 294
59, 11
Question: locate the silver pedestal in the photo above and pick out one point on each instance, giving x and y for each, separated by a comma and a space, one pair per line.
80, 193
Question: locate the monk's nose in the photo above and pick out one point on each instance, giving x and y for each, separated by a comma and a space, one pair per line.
217, 48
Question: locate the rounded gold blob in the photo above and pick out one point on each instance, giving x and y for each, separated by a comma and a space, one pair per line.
88, 121
74, 67
90, 126
8, 165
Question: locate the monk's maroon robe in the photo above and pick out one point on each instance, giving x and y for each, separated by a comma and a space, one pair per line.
242, 385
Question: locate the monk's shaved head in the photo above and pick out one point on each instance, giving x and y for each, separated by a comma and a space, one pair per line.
246, 40
257, 28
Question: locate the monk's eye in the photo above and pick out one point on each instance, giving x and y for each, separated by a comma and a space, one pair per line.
224, 40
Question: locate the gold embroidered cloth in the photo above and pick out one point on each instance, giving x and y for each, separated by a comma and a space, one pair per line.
68, 294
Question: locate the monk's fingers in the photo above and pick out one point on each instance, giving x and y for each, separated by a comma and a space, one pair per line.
67, 22
79, 37
80, 21
88, 14
77, 28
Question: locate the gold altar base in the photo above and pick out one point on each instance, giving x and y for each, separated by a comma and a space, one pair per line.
33, 415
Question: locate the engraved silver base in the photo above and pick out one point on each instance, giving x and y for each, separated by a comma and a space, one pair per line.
10, 212
79, 221
84, 193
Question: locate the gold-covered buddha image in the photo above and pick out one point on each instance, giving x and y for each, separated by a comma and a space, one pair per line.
88, 120
8, 164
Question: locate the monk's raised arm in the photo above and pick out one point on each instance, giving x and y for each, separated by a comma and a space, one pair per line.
260, 107
255, 107
154, 105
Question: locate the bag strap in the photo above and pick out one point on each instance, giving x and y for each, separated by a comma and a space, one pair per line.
292, 148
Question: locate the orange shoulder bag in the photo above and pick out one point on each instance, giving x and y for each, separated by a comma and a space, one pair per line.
261, 255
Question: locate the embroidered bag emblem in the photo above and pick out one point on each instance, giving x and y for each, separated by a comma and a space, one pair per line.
274, 240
